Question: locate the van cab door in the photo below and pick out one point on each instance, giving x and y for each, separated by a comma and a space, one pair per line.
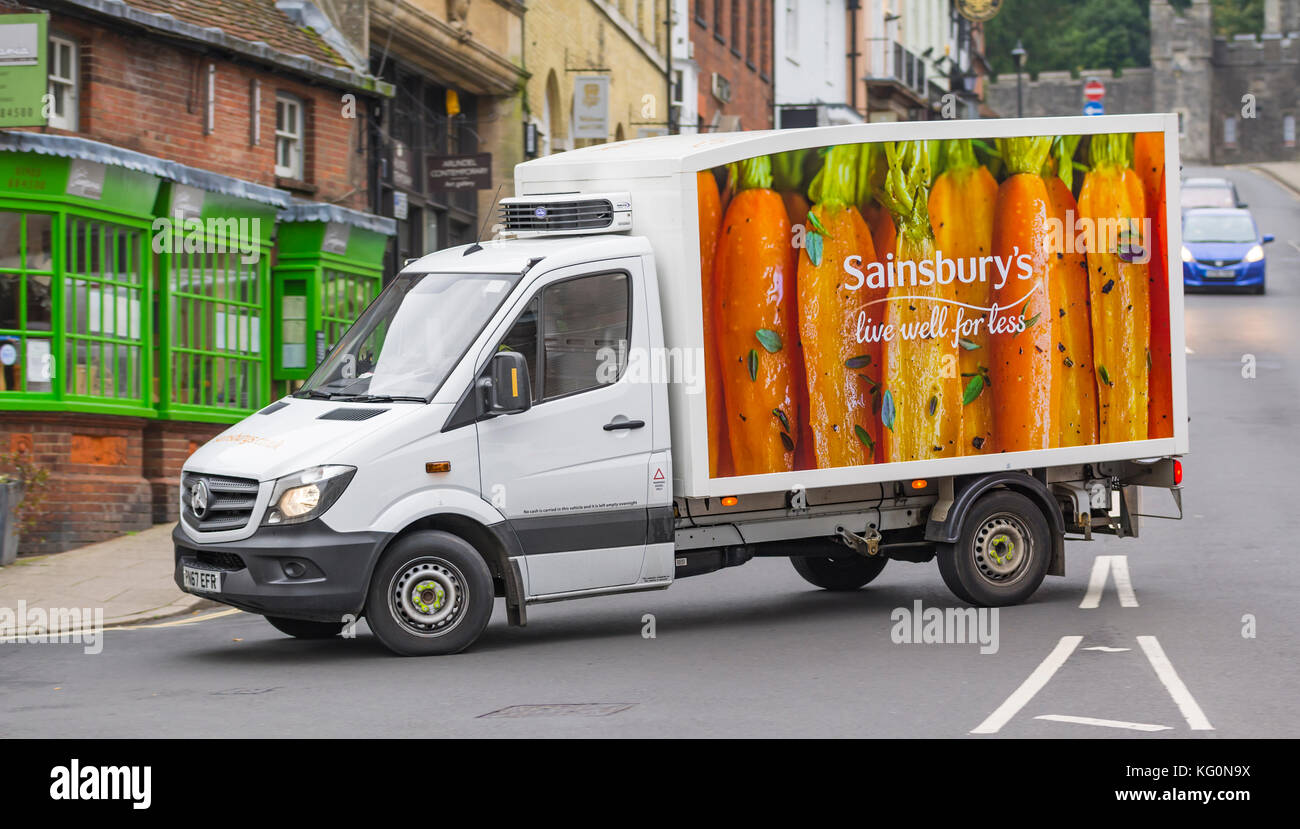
572, 473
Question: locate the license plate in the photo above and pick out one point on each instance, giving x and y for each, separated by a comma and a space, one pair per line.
1214, 273
204, 581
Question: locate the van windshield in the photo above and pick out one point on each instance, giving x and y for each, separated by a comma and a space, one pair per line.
409, 339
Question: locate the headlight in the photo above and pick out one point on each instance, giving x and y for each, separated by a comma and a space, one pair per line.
1187, 254
1255, 254
305, 495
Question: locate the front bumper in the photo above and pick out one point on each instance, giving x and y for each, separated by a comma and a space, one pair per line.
331, 570
1244, 275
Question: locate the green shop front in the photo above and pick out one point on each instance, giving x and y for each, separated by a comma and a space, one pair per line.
141, 313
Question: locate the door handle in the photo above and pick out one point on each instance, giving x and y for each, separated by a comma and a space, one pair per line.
623, 424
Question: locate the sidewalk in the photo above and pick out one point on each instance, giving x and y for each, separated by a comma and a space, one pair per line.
129, 577
1286, 173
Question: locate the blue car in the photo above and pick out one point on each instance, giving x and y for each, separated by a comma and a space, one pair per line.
1222, 248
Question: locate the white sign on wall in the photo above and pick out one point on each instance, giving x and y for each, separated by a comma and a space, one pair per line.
591, 106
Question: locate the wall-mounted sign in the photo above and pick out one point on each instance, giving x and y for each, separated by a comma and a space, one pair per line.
591, 106
979, 10
448, 173
401, 205
402, 175
23, 75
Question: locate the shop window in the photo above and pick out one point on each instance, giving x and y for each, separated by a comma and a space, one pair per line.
26, 303
62, 85
103, 310
215, 320
343, 297
288, 136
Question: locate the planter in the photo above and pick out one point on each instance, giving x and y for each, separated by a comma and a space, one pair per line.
11, 497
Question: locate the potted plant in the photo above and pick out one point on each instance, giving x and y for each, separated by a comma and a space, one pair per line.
21, 494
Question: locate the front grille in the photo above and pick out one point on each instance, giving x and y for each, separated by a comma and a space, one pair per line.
230, 502
220, 561
588, 214
1219, 263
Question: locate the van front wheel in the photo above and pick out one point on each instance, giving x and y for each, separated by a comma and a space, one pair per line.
299, 629
431, 594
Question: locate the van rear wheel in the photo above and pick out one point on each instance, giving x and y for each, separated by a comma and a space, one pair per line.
430, 594
847, 571
1002, 554
300, 629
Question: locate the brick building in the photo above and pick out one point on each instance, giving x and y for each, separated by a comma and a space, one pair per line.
188, 226
726, 70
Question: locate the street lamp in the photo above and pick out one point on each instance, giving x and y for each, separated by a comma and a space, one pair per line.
1019, 54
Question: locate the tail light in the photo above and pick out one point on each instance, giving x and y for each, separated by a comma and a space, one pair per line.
1178, 472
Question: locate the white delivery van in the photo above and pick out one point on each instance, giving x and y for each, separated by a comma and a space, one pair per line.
583, 405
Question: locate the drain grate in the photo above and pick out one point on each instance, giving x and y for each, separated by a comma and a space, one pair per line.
562, 709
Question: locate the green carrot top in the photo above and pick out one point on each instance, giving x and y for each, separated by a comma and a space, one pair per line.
960, 156
787, 170
754, 174
1025, 155
835, 184
1111, 150
906, 193
1063, 147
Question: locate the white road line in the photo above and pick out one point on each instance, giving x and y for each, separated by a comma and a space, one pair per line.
1097, 582
1031, 686
1132, 726
1105, 649
1174, 685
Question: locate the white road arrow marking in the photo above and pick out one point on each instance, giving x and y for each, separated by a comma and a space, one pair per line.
1118, 565
1132, 726
1031, 686
1182, 697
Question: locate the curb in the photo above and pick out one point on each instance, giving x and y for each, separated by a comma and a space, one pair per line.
1295, 191
180, 607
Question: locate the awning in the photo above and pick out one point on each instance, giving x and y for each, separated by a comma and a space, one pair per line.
320, 212
66, 146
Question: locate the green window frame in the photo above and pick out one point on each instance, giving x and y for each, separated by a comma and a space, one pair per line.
74, 310
344, 294
27, 303
215, 360
106, 308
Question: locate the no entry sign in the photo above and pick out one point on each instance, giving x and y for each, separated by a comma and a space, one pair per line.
1094, 90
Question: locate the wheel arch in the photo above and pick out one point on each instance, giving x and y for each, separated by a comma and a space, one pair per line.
496, 543
951, 511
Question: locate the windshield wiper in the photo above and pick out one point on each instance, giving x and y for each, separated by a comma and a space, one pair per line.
381, 398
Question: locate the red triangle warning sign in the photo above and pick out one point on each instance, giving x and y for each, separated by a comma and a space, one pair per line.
659, 474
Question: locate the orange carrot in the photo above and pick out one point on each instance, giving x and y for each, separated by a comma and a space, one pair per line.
756, 324
921, 403
1118, 291
1071, 324
962, 204
789, 171
844, 433
1026, 391
710, 213
1160, 408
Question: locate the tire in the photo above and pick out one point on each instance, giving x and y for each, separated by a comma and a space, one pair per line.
847, 571
451, 606
299, 629
982, 568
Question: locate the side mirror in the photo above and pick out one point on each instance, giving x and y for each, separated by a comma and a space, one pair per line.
1242, 205
510, 390
1268, 237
